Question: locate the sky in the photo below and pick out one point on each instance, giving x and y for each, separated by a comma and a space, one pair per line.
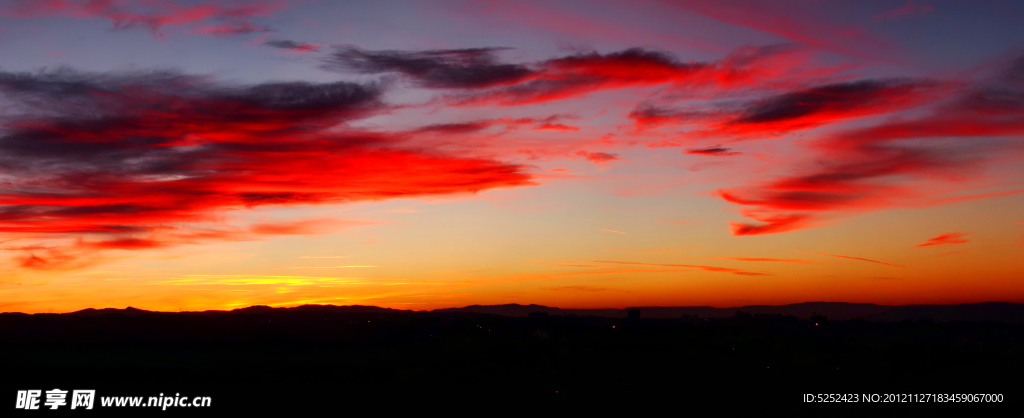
187, 155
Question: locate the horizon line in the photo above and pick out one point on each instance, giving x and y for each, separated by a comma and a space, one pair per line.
515, 304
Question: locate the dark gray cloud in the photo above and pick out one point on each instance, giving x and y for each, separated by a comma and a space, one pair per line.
838, 97
717, 150
292, 45
448, 68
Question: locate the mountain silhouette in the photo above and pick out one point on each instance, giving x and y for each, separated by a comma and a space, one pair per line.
126, 311
987, 311
991, 311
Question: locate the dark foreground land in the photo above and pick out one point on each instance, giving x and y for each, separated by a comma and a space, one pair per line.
303, 361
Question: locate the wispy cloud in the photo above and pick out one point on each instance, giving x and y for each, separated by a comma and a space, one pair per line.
398, 211
598, 157
908, 10
700, 267
201, 19
946, 239
813, 30
302, 226
661, 250
447, 68
292, 46
576, 289
715, 151
853, 258
776, 260
782, 113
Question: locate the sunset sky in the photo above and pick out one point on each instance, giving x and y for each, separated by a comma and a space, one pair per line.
172, 154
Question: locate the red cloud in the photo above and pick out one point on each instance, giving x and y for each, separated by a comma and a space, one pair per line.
306, 48
598, 157
232, 20
772, 224
127, 157
991, 108
578, 75
888, 165
548, 123
31, 261
851, 181
557, 127
300, 227
124, 244
945, 239
87, 248
483, 79
777, 115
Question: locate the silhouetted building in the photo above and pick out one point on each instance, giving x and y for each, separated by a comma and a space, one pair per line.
633, 315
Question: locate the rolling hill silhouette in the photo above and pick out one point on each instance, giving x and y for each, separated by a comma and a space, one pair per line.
988, 311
